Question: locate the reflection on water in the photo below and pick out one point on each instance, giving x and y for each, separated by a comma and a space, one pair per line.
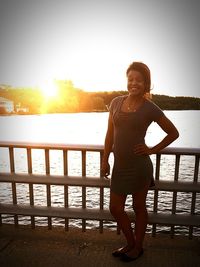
88, 128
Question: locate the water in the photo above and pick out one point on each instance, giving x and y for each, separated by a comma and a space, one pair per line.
88, 128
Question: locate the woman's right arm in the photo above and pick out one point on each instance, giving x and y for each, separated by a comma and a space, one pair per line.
108, 145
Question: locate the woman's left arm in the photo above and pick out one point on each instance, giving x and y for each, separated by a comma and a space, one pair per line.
172, 134
171, 131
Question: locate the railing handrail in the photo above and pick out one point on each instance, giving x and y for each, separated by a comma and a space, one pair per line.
91, 147
35, 145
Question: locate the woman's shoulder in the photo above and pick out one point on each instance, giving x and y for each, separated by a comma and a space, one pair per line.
116, 102
153, 110
150, 104
119, 98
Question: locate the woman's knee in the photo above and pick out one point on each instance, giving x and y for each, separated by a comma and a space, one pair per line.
139, 200
139, 207
116, 209
140, 210
117, 203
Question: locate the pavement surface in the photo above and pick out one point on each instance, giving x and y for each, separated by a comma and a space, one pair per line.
25, 247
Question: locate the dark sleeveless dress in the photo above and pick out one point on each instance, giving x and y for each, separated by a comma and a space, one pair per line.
131, 172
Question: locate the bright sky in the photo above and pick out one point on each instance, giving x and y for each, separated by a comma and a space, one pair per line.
93, 42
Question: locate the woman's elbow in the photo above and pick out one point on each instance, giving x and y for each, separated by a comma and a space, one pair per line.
175, 134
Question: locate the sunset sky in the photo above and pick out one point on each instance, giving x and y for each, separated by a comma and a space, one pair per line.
93, 42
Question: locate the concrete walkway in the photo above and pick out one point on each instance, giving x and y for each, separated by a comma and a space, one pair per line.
25, 247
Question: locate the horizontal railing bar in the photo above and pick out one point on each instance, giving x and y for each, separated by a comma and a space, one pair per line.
62, 212
55, 179
89, 147
96, 214
181, 186
174, 219
161, 185
76, 147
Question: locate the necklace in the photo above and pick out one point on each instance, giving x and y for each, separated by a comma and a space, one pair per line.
132, 107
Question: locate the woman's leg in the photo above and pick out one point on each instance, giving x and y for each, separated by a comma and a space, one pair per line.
117, 204
141, 219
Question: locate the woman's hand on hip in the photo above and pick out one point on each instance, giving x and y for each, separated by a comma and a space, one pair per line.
142, 149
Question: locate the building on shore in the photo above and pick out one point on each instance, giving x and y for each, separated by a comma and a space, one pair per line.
6, 105
20, 109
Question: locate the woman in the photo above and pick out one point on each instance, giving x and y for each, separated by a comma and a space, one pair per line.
129, 118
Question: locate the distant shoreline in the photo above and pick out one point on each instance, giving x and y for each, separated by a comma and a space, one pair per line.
97, 111
72, 100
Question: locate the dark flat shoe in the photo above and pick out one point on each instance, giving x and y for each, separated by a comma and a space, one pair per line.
126, 258
119, 252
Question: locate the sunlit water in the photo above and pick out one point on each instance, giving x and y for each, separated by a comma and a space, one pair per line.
89, 128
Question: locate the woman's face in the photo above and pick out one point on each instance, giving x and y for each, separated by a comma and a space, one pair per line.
135, 83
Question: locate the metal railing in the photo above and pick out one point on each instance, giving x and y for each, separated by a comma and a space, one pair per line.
172, 218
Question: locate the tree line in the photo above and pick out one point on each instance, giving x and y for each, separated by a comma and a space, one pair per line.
71, 99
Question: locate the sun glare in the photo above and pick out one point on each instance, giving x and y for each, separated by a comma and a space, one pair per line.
49, 89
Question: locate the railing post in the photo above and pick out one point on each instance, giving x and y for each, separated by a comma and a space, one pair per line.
31, 194
155, 204
12, 162
101, 194
14, 191
83, 156
65, 161
196, 168
48, 187
176, 174
66, 191
193, 203
101, 200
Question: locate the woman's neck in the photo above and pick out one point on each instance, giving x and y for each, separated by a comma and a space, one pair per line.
132, 103
135, 99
